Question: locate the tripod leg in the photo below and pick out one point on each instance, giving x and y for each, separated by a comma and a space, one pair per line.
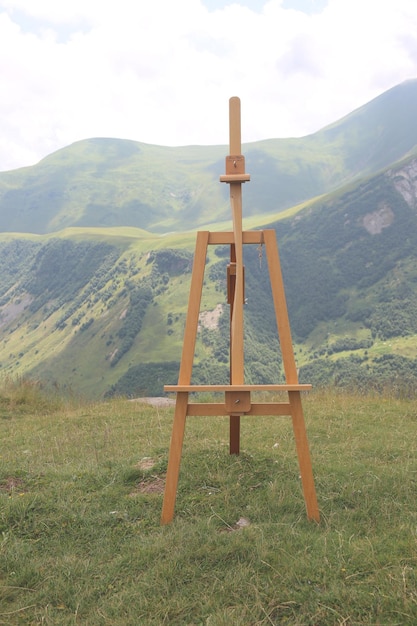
234, 429
174, 459
303, 453
291, 376
184, 378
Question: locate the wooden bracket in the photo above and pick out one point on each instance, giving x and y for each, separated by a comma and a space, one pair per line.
235, 170
235, 164
237, 402
235, 178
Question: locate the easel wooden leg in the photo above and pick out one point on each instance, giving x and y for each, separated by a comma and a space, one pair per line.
234, 429
174, 459
184, 378
303, 453
280, 306
284, 332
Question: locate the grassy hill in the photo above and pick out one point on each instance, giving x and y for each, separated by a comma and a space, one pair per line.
100, 310
111, 182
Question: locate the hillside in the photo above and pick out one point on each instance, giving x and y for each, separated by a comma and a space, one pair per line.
100, 310
111, 182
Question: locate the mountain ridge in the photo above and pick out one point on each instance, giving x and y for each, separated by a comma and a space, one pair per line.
119, 182
100, 309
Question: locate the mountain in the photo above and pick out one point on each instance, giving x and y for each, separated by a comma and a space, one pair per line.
112, 182
97, 244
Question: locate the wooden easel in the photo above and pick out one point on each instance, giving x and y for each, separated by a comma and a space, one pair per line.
237, 395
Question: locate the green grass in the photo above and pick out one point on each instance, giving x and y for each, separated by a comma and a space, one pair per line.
80, 502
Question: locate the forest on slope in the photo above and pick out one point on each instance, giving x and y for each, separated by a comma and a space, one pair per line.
100, 310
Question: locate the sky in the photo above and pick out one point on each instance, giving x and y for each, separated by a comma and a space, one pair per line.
162, 71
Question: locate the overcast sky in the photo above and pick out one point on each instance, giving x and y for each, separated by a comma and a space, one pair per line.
162, 71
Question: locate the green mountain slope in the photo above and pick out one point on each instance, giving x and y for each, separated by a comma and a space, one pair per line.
100, 310
113, 182
104, 313
378, 133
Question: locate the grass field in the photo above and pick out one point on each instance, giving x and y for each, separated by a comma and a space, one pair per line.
81, 495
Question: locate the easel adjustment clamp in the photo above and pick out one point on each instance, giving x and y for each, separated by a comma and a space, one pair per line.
237, 401
235, 170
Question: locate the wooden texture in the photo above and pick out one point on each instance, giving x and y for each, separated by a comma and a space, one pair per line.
235, 141
237, 395
236, 348
174, 459
303, 452
235, 178
194, 304
280, 305
236, 162
213, 388
237, 402
248, 236
184, 377
211, 409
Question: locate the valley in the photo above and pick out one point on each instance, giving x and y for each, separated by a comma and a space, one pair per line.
93, 295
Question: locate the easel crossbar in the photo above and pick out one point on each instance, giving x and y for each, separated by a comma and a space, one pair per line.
217, 409
208, 388
224, 238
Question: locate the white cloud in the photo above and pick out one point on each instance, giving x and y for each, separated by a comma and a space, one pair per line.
162, 71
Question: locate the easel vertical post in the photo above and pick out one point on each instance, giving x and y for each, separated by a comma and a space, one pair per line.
236, 311
234, 420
